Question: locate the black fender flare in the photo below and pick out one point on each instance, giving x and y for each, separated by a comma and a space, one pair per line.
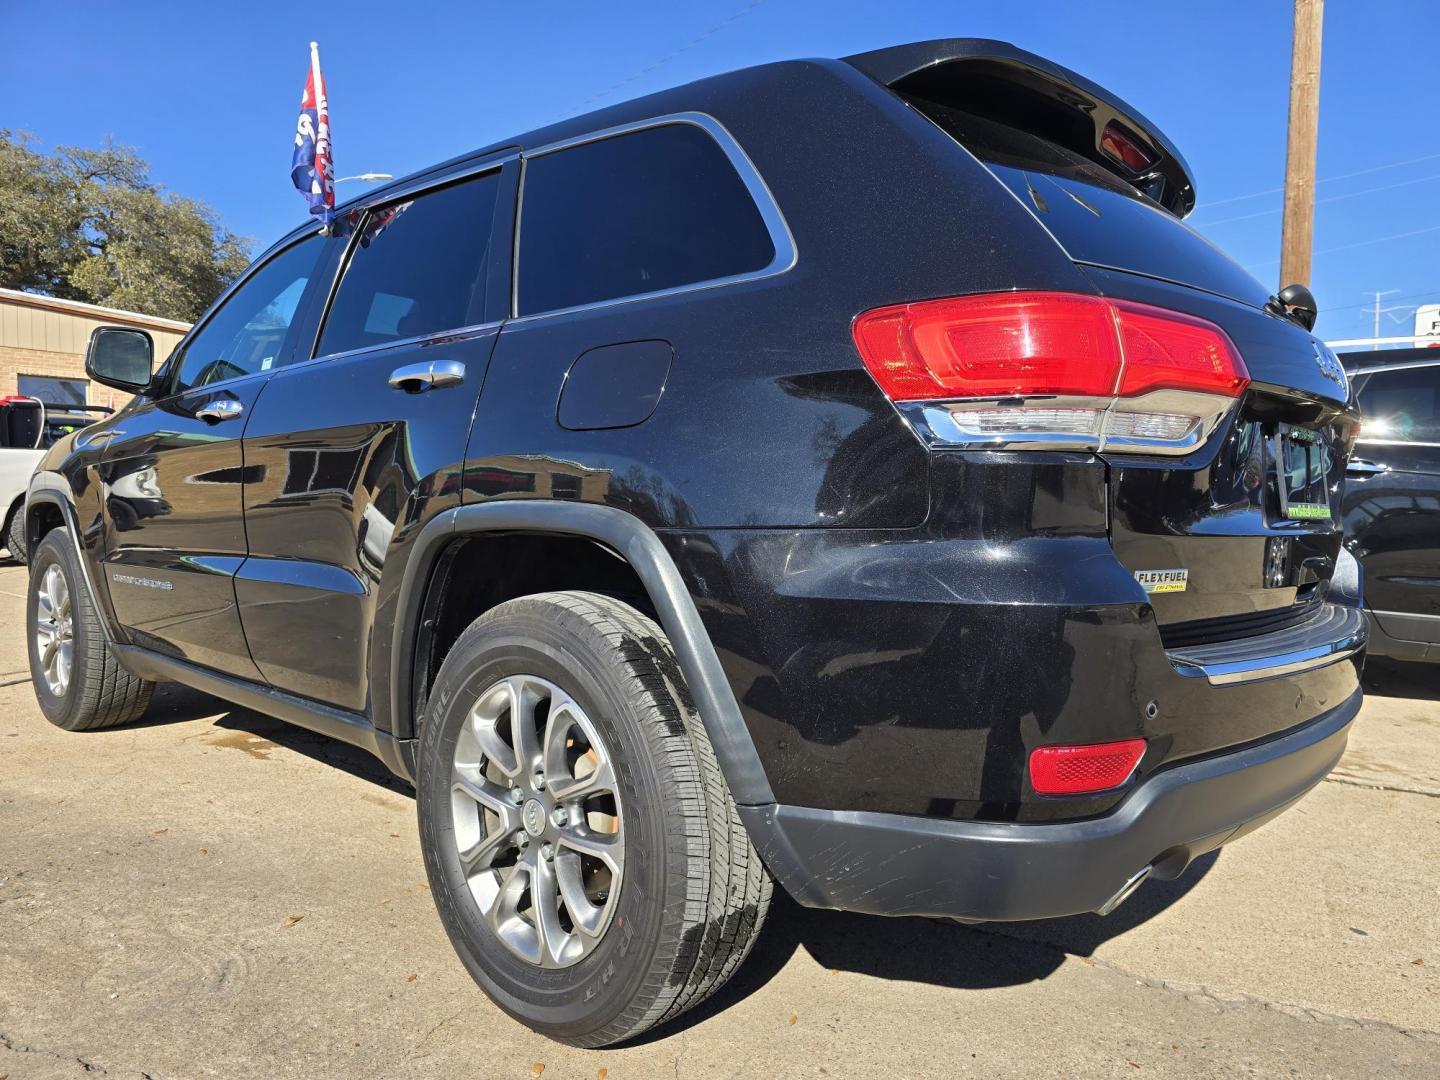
638, 545
54, 489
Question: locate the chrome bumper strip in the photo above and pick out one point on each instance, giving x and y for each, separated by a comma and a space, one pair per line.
1336, 632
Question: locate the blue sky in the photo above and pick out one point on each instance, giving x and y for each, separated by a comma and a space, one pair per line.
209, 94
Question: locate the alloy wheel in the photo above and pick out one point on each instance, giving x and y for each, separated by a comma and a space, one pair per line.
537, 820
55, 630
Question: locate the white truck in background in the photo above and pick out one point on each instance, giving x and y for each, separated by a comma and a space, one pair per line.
28, 427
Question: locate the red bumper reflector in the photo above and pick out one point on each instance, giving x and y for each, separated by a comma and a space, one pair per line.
1082, 770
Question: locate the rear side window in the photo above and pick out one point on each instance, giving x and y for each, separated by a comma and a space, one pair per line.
1401, 406
418, 268
631, 214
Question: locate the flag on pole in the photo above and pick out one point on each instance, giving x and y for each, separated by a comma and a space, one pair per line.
310, 168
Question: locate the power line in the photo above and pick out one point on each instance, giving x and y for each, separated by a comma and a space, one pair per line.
602, 94
1326, 180
1360, 243
1365, 304
1332, 198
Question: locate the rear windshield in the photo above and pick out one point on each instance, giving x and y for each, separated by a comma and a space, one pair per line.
1095, 215
1002, 144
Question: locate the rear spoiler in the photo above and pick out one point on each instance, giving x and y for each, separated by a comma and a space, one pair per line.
994, 76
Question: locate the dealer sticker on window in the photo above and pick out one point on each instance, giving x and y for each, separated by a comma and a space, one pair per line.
1162, 580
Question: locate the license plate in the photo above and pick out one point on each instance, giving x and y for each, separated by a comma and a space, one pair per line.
1302, 465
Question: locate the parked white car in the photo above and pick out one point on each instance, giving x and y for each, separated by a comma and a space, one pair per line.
28, 426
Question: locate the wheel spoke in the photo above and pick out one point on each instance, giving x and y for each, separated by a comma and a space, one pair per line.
481, 854
608, 849
504, 914
545, 902
484, 721
524, 696
485, 792
570, 876
567, 787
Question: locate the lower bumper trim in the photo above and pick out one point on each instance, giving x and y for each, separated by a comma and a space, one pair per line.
892, 864
1336, 633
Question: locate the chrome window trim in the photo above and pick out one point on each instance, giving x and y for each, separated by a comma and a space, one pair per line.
786, 254
433, 337
366, 208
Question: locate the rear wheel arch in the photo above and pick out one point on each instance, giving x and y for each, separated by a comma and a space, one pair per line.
641, 561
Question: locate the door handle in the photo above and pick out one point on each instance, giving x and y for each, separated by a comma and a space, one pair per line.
1361, 467
429, 374
220, 409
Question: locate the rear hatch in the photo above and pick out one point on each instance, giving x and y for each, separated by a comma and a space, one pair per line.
1240, 536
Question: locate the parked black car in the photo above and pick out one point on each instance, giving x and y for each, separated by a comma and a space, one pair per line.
849, 473
1392, 498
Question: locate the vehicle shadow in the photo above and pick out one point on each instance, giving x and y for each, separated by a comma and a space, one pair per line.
934, 951
983, 956
1401, 679
176, 704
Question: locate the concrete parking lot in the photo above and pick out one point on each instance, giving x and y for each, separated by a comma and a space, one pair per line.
212, 893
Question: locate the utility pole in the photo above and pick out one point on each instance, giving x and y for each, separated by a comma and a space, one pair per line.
1299, 223
1379, 310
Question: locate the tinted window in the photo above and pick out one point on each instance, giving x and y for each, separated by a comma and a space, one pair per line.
55, 391
418, 268
1401, 406
633, 214
246, 332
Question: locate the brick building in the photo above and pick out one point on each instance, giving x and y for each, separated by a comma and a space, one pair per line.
43, 340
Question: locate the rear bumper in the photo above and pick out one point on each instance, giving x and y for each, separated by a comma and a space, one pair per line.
891, 864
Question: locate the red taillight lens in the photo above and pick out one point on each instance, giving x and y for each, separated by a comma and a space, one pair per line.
1167, 350
1125, 148
1084, 770
1041, 345
998, 345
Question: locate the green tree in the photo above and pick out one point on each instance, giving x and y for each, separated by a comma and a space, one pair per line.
90, 225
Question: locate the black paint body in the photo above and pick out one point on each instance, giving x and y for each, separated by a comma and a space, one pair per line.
899, 627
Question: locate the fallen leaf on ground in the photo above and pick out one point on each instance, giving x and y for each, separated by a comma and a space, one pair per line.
793, 1019
291, 921
600, 1074
157, 832
1418, 962
204, 851
537, 1068
1089, 960
412, 976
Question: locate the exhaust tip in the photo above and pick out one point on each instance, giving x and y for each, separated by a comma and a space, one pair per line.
1136, 880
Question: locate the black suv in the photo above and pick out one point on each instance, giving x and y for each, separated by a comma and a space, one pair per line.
1392, 498
846, 473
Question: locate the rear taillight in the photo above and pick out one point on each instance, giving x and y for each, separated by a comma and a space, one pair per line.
1084, 770
1057, 370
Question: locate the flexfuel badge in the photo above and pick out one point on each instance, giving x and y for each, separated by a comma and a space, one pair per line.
1162, 580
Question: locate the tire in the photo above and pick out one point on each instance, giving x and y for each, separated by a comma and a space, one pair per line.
692, 894
97, 692
15, 534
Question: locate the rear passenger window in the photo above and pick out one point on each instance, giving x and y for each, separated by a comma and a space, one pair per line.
631, 214
1401, 406
418, 268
